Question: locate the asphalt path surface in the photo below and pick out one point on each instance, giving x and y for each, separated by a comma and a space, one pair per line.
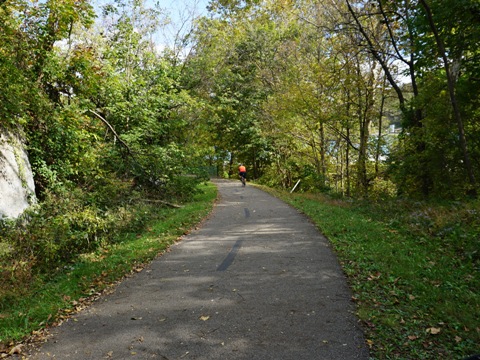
256, 281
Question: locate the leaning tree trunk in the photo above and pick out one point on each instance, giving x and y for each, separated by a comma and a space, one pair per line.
453, 99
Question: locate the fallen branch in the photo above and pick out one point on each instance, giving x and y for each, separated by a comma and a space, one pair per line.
113, 131
164, 202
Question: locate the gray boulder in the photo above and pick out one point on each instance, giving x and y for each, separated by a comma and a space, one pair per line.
17, 188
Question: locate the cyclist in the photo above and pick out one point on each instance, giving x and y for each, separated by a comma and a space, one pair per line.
242, 172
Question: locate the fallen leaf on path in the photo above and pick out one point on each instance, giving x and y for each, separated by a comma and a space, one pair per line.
204, 317
16, 350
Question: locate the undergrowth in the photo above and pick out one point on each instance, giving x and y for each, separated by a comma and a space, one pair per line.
36, 291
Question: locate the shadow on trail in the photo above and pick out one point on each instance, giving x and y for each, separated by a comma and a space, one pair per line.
257, 281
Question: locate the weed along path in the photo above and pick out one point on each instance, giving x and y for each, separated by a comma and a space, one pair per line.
256, 281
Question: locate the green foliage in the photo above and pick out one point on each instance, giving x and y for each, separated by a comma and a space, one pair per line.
230, 63
14, 93
61, 228
441, 137
108, 133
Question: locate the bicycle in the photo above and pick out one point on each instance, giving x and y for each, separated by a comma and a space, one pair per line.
243, 179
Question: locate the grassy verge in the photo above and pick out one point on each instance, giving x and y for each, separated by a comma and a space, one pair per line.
414, 272
47, 301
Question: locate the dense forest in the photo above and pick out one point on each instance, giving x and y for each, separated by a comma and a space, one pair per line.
361, 98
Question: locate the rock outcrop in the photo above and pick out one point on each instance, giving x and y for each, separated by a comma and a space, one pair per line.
17, 189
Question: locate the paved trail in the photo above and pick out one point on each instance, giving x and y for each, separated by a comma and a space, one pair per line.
257, 281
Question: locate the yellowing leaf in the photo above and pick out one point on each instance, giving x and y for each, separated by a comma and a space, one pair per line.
433, 331
204, 317
374, 276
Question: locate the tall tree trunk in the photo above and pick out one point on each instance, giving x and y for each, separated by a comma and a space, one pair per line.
380, 124
316, 159
364, 111
347, 164
231, 170
347, 145
322, 154
453, 99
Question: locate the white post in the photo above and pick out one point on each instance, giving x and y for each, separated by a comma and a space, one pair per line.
298, 182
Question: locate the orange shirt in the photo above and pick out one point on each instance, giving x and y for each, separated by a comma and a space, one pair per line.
242, 168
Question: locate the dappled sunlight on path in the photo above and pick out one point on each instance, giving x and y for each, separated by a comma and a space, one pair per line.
257, 281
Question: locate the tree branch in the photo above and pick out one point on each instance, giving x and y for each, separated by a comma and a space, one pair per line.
377, 56
392, 37
112, 130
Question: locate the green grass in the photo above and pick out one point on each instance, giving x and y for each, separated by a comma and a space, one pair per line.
413, 270
47, 301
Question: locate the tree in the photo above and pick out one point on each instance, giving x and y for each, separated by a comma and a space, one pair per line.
451, 75
232, 57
